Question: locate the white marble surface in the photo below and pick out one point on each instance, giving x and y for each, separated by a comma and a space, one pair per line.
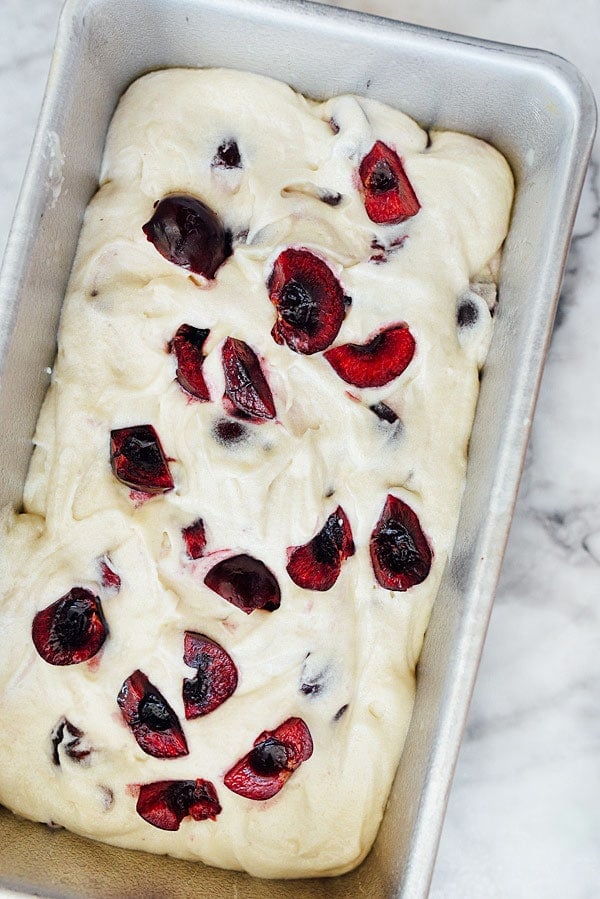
524, 813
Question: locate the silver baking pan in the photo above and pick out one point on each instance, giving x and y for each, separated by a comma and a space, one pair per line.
540, 113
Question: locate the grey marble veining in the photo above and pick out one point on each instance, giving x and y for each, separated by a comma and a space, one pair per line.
524, 813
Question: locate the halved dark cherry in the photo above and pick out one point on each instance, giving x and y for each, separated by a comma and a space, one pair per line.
216, 678
389, 195
138, 460
246, 583
187, 344
400, 553
317, 564
275, 756
309, 299
188, 233
194, 537
246, 389
165, 803
71, 630
150, 718
377, 362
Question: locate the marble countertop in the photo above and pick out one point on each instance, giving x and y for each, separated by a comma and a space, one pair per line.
524, 814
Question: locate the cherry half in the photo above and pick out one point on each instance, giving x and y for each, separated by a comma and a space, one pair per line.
400, 553
317, 564
216, 678
165, 803
150, 718
247, 392
376, 362
246, 583
138, 460
309, 300
276, 754
388, 194
71, 630
189, 233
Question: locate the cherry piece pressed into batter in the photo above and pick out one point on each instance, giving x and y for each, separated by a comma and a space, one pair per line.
186, 345
276, 754
317, 564
216, 677
150, 718
377, 362
388, 194
228, 155
165, 803
246, 583
400, 553
247, 392
71, 630
309, 300
138, 459
189, 233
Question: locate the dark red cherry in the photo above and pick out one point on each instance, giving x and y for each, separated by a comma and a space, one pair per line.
188, 233
246, 389
400, 553
375, 363
388, 194
194, 537
71, 630
317, 564
187, 344
165, 803
138, 460
263, 771
246, 583
150, 718
216, 677
309, 299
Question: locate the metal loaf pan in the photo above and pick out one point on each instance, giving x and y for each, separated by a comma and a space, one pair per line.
540, 113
